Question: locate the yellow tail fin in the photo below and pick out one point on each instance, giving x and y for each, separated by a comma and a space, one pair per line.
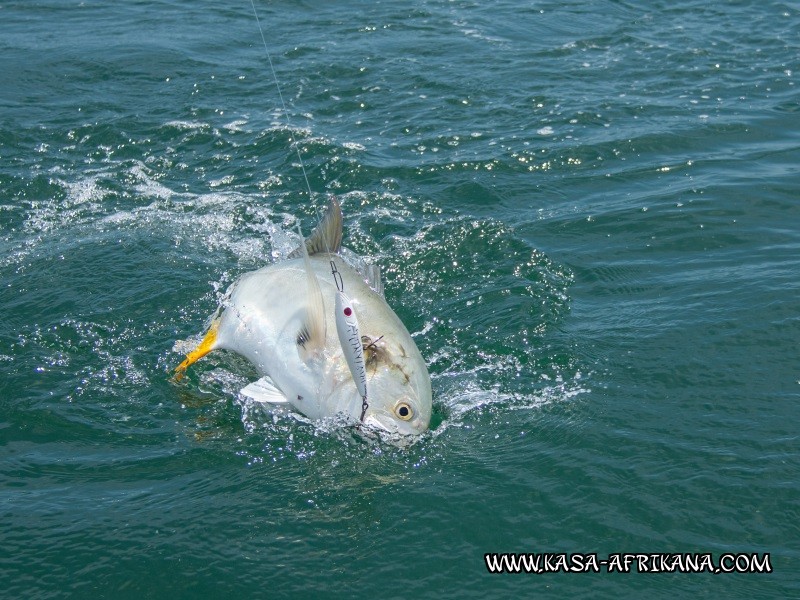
203, 348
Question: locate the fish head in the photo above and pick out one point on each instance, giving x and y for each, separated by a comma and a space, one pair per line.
398, 388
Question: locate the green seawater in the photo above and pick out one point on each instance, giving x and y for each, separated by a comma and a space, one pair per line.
586, 213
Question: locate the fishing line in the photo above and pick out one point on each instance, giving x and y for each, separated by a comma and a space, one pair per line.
288, 118
345, 317
283, 104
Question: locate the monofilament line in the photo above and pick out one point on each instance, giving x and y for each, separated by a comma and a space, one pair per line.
283, 104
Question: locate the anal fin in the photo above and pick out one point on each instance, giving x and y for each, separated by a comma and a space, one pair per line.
264, 390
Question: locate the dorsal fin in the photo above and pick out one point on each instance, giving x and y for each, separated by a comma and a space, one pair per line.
372, 275
327, 237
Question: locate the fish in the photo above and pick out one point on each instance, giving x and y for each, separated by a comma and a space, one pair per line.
323, 339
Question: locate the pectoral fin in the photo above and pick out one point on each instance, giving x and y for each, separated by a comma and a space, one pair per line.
311, 335
264, 390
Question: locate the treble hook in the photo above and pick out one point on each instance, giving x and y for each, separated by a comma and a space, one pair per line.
372, 343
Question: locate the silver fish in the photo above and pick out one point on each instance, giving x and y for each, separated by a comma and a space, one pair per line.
281, 318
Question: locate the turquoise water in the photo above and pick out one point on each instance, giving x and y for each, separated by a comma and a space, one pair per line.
585, 212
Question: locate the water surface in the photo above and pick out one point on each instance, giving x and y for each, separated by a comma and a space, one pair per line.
585, 212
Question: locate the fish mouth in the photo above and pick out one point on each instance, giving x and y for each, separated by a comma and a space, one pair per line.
392, 431
372, 429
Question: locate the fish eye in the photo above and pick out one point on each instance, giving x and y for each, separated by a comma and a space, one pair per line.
404, 411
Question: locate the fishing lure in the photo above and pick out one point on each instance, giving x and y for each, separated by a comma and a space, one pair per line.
350, 339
